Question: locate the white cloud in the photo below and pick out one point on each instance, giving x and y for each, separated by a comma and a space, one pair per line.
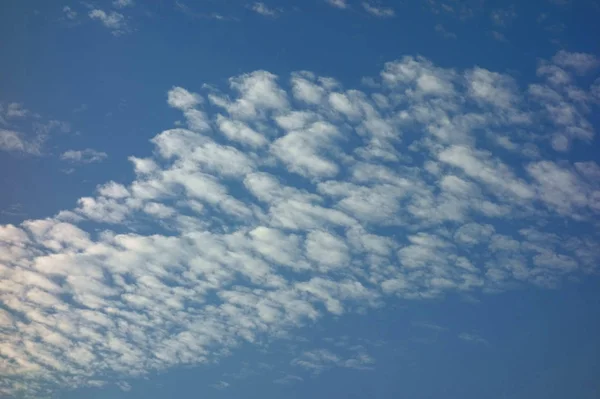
378, 11
492, 88
15, 141
262, 9
69, 12
319, 360
503, 17
180, 98
472, 337
581, 63
338, 3
16, 110
123, 3
288, 379
85, 156
439, 28
112, 20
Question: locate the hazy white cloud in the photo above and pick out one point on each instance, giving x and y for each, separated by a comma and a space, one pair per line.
87, 155
112, 20
69, 12
123, 3
16, 110
439, 28
319, 360
15, 141
581, 63
503, 17
472, 337
378, 11
262, 9
338, 3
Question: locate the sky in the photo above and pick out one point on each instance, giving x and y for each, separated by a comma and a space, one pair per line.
299, 199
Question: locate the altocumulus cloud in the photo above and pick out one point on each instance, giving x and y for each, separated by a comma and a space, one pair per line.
272, 213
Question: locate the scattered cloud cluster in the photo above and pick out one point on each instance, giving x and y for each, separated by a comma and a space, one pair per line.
26, 132
112, 20
295, 199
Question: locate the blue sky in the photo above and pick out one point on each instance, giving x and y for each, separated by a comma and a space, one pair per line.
326, 199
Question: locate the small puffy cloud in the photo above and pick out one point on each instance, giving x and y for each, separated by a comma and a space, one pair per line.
85, 156
180, 98
112, 20
262, 9
378, 11
492, 88
338, 3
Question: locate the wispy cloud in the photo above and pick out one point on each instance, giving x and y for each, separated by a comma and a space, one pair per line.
187, 10
439, 28
69, 13
319, 360
123, 3
15, 141
378, 11
288, 379
503, 16
499, 36
343, 4
474, 338
85, 156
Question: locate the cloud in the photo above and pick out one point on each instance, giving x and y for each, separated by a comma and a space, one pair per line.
16, 110
69, 12
271, 210
581, 63
319, 360
503, 17
113, 21
288, 379
378, 11
123, 3
221, 385
264, 10
473, 338
439, 28
343, 4
15, 141
499, 36
85, 156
